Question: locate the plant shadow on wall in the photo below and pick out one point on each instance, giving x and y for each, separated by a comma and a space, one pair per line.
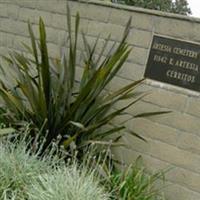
44, 95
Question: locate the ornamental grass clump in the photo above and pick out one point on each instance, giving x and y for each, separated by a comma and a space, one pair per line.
26, 176
67, 183
18, 169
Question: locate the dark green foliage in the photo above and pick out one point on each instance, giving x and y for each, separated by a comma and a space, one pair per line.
177, 6
181, 7
45, 94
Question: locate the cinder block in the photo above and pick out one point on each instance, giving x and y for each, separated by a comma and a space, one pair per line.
74, 7
179, 121
14, 27
27, 14
13, 11
36, 32
189, 142
83, 25
122, 119
17, 43
79, 61
119, 17
57, 6
24, 3
3, 10
91, 41
82, 9
149, 129
4, 51
174, 155
33, 16
167, 99
6, 39
138, 55
177, 192
3, 23
185, 178
144, 107
52, 35
79, 73
193, 106
51, 6
89, 11
125, 155
140, 38
131, 71
142, 21
117, 83
53, 50
104, 30
62, 38
164, 152
175, 28
195, 32
59, 21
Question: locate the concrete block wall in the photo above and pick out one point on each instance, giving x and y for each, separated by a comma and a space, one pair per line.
173, 139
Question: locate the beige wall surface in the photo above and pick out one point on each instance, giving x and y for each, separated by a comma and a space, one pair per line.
173, 139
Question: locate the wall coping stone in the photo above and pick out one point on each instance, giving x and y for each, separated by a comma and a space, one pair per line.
141, 10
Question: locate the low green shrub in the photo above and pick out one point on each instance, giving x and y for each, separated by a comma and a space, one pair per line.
135, 183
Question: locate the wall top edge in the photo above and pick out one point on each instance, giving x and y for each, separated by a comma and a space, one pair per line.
140, 10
